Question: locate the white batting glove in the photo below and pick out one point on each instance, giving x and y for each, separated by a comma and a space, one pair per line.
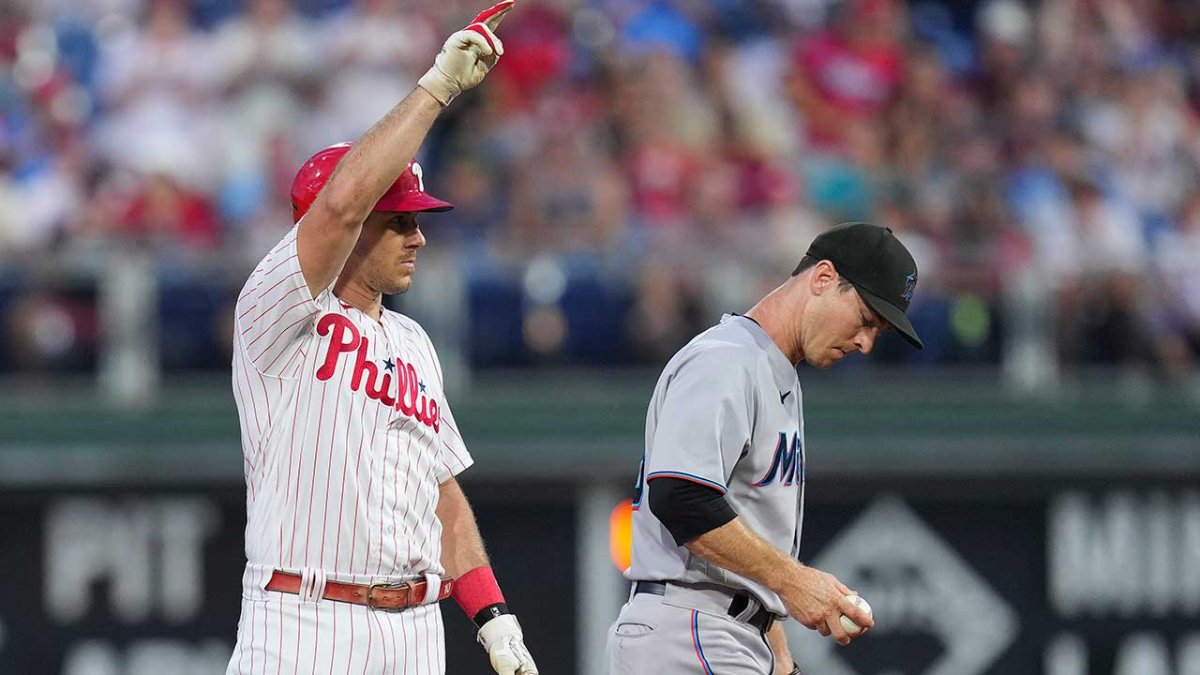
505, 645
467, 56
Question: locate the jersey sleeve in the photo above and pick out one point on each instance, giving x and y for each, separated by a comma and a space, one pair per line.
454, 455
275, 310
455, 458
703, 424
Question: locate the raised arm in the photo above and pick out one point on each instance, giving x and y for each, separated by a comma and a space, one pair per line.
329, 230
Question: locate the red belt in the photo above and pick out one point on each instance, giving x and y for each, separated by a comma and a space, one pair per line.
384, 597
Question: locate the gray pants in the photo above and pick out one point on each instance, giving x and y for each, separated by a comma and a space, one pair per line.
685, 632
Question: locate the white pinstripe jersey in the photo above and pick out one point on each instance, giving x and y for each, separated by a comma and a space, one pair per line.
346, 432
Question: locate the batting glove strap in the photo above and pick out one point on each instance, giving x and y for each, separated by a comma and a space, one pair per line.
488, 613
505, 644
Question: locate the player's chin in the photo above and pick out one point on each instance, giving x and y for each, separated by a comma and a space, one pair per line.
398, 285
831, 358
822, 363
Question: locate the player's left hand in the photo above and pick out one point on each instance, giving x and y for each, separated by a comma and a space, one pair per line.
505, 645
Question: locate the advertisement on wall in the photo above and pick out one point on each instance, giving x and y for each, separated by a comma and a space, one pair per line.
1074, 581
119, 584
1005, 578
148, 582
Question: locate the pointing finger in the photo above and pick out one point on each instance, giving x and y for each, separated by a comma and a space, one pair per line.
492, 16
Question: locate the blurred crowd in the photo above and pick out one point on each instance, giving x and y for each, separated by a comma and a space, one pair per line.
632, 168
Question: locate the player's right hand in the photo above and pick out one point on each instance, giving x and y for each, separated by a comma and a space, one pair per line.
818, 600
467, 56
505, 645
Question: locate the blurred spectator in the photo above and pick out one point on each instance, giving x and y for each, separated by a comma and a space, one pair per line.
1153, 140
1178, 317
568, 200
669, 124
663, 26
846, 76
1112, 259
267, 56
537, 52
1005, 50
43, 197
165, 215
478, 206
158, 84
372, 52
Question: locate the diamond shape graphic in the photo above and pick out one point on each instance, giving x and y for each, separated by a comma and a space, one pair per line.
919, 588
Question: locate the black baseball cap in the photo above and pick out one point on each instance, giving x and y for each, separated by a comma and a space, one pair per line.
877, 265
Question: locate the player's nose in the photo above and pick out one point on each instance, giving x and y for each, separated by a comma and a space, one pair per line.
865, 341
416, 239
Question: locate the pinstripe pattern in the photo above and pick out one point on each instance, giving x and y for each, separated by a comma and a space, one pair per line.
337, 478
338, 639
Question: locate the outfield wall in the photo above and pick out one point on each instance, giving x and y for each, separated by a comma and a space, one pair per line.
993, 534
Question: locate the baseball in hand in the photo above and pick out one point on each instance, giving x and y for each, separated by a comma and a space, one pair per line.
852, 628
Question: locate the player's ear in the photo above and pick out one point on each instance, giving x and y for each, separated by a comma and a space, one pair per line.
823, 277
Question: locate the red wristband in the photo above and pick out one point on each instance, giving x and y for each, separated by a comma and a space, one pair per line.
475, 590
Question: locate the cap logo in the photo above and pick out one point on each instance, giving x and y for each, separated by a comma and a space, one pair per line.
420, 174
910, 284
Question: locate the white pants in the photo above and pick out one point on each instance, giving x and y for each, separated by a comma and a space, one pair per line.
279, 634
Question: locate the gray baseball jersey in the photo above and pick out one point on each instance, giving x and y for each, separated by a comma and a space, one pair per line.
726, 413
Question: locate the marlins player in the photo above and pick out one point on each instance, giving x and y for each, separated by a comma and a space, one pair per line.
716, 530
356, 524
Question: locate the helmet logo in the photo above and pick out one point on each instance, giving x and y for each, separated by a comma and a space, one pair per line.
420, 174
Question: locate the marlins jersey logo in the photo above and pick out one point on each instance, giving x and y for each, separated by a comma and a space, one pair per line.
788, 463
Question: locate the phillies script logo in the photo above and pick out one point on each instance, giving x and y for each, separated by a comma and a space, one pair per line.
409, 399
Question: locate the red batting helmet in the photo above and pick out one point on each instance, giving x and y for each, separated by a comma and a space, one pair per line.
406, 194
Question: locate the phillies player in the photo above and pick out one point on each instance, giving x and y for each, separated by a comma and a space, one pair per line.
356, 525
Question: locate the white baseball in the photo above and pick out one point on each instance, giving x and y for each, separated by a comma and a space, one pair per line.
852, 628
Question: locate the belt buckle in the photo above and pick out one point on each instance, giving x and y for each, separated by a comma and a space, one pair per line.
412, 589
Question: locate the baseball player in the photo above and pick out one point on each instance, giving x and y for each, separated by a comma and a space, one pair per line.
356, 525
720, 491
